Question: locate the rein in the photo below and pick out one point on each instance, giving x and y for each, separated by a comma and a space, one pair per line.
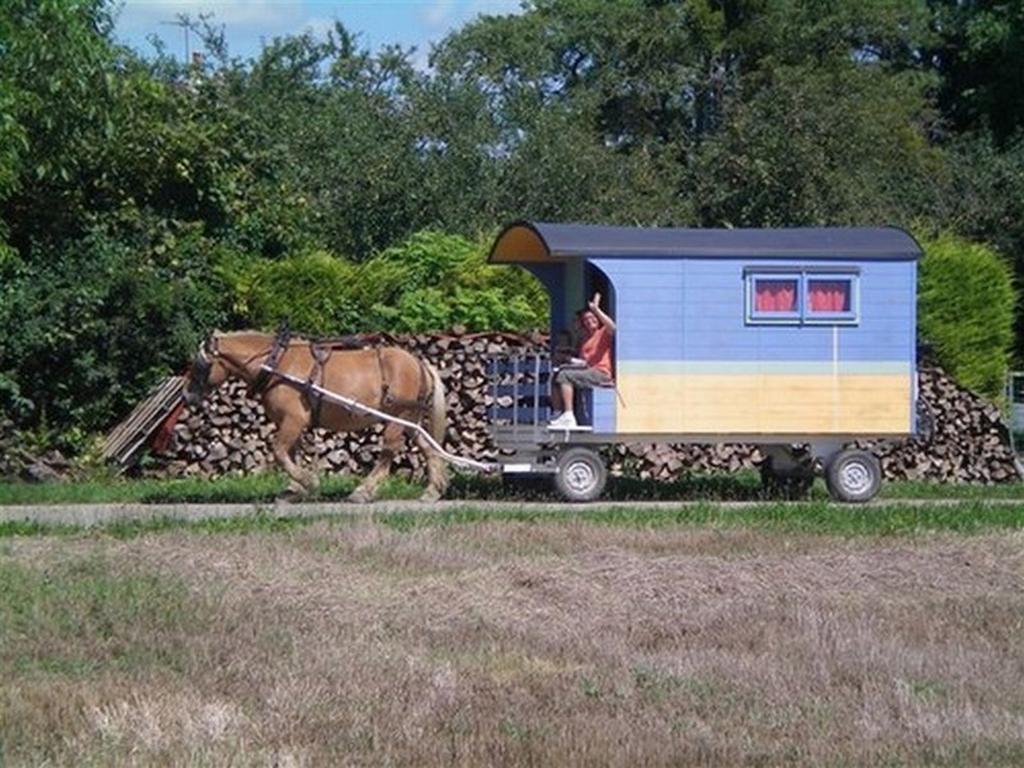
268, 374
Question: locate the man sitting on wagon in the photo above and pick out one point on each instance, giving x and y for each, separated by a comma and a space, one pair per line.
593, 367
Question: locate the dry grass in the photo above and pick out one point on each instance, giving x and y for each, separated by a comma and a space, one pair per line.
512, 644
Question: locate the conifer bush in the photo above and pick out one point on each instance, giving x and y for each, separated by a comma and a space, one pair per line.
966, 302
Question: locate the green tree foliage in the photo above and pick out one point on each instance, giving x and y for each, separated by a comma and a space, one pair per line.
119, 187
965, 311
979, 50
431, 282
435, 281
144, 201
314, 291
93, 326
334, 124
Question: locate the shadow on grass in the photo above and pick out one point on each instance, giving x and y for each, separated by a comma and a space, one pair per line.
737, 486
744, 485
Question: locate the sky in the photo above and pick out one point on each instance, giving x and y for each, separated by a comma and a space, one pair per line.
248, 22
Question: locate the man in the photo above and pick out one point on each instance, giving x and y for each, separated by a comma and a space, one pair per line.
594, 369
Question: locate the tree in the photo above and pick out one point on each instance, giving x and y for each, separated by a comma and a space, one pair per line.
979, 52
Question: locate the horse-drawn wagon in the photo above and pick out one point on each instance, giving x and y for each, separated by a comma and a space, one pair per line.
800, 341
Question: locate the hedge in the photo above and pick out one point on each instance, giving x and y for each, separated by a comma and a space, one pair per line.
966, 300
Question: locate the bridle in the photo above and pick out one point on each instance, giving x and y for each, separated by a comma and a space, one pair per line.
209, 352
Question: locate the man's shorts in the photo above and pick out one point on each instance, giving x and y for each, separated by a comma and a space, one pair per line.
583, 377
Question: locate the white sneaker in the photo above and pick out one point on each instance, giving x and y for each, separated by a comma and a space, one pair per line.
566, 421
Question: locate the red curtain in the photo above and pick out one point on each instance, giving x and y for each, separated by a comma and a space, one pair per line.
775, 296
828, 295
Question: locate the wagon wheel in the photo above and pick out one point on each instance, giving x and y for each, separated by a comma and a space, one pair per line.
580, 475
853, 475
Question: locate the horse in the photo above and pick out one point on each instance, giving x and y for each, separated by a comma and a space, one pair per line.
285, 373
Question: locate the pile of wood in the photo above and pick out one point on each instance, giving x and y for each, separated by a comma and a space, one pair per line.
969, 440
17, 461
229, 433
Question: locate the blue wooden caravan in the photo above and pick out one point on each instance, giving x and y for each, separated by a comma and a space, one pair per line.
769, 336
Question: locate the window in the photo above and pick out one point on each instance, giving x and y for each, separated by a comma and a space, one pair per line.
803, 296
775, 298
829, 298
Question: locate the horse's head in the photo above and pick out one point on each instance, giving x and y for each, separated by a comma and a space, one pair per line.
208, 370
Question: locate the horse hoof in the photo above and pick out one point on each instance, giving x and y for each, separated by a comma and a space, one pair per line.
359, 497
430, 495
287, 497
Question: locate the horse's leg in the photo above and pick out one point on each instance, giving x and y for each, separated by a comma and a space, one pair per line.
437, 422
288, 433
437, 472
390, 440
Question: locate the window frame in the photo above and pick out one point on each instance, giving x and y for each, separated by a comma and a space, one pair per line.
772, 317
803, 315
847, 317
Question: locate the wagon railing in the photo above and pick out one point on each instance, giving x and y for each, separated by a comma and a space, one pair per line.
519, 390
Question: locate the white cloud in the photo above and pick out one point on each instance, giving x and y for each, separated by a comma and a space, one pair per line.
319, 26
495, 7
438, 14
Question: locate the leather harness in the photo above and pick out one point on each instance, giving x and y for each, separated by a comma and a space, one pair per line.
321, 351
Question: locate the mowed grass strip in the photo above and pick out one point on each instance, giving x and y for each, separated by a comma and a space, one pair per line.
849, 520
813, 517
264, 487
509, 642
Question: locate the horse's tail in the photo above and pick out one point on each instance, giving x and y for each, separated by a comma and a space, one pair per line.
438, 408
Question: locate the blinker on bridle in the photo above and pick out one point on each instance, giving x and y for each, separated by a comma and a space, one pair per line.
202, 364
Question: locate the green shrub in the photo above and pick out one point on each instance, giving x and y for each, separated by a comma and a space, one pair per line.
966, 302
90, 327
431, 282
317, 292
435, 281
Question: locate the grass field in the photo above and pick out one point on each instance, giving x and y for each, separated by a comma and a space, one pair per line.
737, 486
778, 636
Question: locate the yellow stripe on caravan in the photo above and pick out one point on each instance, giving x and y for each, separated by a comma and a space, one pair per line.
764, 403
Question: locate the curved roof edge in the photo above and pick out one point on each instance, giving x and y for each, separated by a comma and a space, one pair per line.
529, 242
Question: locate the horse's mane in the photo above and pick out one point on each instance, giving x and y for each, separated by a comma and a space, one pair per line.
234, 334
349, 341
259, 334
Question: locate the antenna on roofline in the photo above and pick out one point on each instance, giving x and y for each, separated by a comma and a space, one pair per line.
184, 24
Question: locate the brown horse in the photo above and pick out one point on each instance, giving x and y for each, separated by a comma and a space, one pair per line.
281, 371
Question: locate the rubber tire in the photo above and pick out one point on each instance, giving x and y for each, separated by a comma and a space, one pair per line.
574, 468
841, 464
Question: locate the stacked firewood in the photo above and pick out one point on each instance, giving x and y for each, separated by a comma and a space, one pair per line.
664, 461
229, 433
964, 437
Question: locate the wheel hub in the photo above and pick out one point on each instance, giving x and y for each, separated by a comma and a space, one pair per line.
580, 476
856, 476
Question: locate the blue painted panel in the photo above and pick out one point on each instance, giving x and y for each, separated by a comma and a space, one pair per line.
652, 294
635, 266
552, 276
640, 313
604, 410
647, 324
884, 330
702, 317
